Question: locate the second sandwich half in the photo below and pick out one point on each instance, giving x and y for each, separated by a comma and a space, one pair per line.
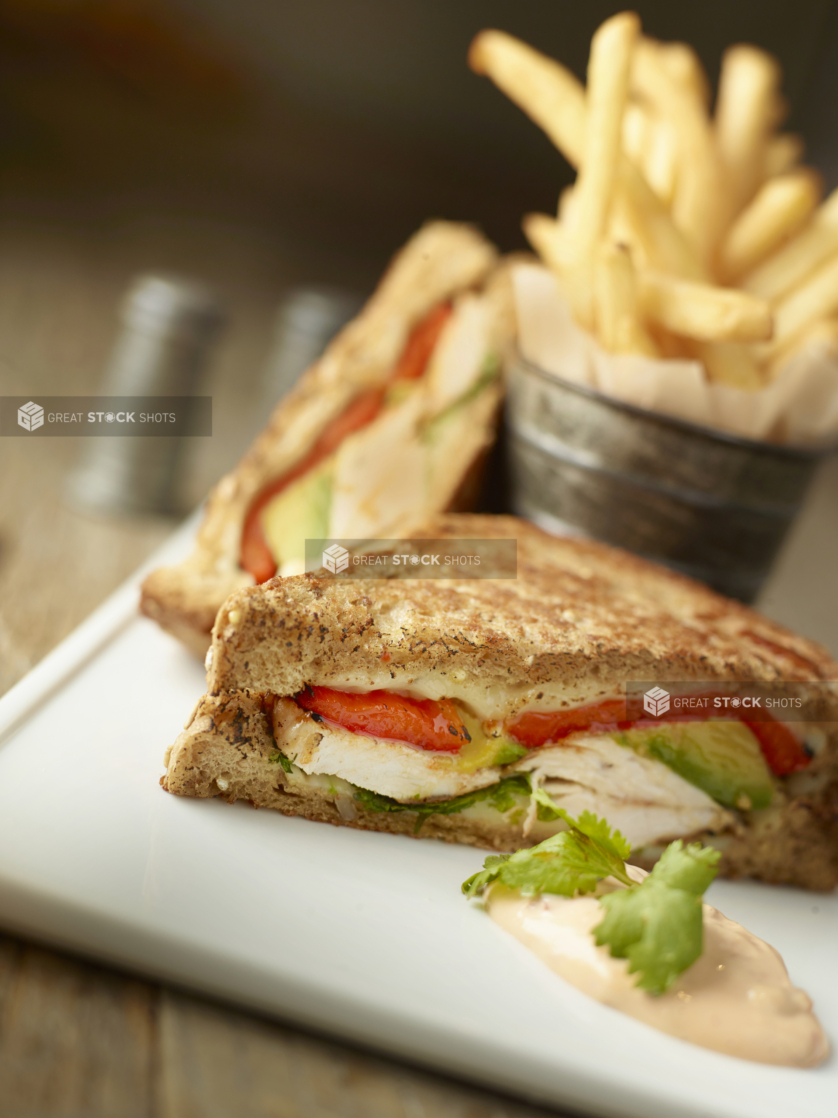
389, 426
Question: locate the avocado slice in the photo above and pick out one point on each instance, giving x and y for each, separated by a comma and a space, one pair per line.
722, 758
299, 513
508, 751
484, 749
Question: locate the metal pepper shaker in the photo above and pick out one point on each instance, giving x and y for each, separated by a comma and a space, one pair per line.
170, 325
307, 320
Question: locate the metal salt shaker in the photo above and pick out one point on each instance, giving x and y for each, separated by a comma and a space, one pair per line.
169, 327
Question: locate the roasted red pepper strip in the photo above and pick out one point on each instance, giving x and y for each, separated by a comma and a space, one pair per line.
255, 556
782, 751
437, 725
431, 725
420, 345
536, 728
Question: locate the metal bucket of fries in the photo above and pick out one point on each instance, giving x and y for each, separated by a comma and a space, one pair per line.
709, 504
681, 329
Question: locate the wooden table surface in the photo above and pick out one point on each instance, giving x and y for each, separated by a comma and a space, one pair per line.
78, 1040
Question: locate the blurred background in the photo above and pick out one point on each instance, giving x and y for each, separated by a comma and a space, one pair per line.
260, 145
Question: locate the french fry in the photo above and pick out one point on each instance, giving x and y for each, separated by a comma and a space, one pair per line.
546, 91
565, 203
547, 236
621, 232
823, 332
555, 100
704, 312
696, 207
618, 325
684, 67
636, 132
816, 298
782, 154
664, 245
608, 78
731, 364
746, 110
791, 264
660, 164
670, 346
780, 207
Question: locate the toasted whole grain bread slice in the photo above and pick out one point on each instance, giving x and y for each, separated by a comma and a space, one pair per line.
443, 260
579, 621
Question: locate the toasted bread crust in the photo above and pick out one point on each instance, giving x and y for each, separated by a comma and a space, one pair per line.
580, 614
442, 259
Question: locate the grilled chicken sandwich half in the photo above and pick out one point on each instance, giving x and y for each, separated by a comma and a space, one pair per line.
390, 426
436, 707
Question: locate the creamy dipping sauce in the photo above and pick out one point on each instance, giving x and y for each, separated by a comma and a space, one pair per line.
736, 998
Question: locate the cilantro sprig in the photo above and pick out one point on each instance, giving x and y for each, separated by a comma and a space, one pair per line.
655, 924
658, 924
570, 862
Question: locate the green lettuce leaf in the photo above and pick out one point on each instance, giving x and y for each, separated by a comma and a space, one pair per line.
502, 796
658, 924
279, 758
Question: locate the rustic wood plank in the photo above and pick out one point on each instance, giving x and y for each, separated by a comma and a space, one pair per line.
76, 1041
10, 951
215, 1062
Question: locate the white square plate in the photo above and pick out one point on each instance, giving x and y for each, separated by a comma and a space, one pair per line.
364, 935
